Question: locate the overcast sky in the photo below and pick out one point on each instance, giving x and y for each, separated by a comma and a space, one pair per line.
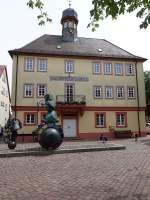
19, 27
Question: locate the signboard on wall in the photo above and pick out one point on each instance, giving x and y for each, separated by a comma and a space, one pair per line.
69, 78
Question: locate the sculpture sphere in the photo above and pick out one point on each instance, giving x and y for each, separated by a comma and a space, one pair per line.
11, 144
50, 138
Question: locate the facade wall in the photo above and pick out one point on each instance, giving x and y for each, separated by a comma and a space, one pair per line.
83, 68
86, 124
4, 99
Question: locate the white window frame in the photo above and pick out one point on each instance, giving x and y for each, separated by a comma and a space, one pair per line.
109, 92
118, 69
121, 120
96, 68
28, 90
42, 65
69, 66
129, 69
120, 94
100, 120
5, 107
41, 90
29, 64
4, 78
30, 118
131, 90
108, 68
69, 92
98, 92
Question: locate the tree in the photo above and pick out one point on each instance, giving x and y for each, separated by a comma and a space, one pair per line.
43, 16
102, 9
147, 89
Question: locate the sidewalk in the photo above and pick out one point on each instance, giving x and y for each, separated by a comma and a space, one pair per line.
28, 149
98, 175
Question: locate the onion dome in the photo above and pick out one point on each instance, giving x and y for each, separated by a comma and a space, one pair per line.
69, 13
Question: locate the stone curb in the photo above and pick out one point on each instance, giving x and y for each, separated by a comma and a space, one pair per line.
43, 152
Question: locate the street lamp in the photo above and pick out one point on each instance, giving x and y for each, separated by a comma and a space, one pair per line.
39, 103
37, 111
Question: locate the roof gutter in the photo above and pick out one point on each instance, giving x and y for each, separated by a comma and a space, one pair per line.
75, 56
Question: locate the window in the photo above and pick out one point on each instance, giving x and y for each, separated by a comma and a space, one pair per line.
98, 92
42, 65
69, 66
30, 118
3, 91
69, 92
120, 92
5, 107
121, 119
41, 90
65, 24
108, 92
118, 69
70, 24
108, 68
129, 69
2, 104
131, 92
96, 68
28, 90
4, 78
29, 64
100, 120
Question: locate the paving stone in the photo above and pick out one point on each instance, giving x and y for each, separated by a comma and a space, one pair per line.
103, 175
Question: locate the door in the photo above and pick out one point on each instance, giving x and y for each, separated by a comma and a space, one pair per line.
69, 127
69, 92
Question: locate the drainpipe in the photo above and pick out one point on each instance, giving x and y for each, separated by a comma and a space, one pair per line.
16, 86
137, 87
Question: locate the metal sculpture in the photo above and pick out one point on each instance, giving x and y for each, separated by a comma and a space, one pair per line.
52, 135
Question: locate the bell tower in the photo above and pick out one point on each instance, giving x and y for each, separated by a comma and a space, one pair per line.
69, 23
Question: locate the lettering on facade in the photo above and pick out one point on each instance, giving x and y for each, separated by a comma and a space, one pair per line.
69, 78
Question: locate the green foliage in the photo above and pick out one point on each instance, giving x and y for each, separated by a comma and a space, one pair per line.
102, 9
147, 89
43, 16
113, 8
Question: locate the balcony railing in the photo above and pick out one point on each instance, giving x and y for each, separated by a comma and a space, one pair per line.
71, 99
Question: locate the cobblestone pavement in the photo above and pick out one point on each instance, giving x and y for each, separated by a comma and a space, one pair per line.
104, 175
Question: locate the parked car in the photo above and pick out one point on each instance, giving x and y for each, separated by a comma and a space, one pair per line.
148, 128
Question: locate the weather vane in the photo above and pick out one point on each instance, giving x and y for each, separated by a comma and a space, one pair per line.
69, 3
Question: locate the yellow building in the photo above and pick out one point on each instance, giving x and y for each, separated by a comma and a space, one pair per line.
98, 87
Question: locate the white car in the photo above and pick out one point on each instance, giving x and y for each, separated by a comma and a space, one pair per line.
148, 128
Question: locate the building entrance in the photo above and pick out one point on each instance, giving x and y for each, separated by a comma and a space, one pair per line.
69, 127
